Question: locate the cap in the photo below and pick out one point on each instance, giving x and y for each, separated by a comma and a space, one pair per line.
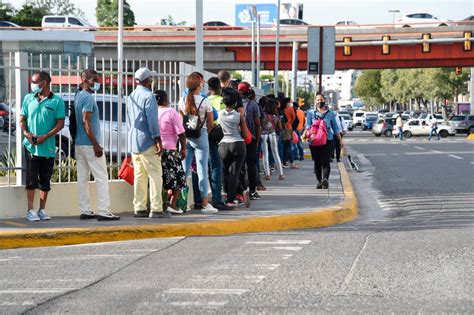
144, 73
244, 87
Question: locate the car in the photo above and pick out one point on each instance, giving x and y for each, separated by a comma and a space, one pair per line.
7, 25
347, 118
345, 24
357, 118
64, 22
107, 105
8, 118
467, 21
422, 127
292, 22
383, 126
382, 112
463, 123
2, 122
390, 115
369, 121
421, 20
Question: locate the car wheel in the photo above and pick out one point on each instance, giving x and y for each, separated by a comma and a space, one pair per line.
443, 24
388, 133
363, 128
406, 25
350, 129
444, 134
407, 134
470, 131
377, 135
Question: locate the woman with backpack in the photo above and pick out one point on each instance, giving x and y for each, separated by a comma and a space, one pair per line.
321, 129
270, 125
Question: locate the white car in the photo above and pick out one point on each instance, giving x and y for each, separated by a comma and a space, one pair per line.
65, 22
421, 20
357, 117
421, 127
347, 118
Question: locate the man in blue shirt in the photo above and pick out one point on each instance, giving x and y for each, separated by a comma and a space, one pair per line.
145, 143
89, 154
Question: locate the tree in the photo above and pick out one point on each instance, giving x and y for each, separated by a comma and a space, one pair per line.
57, 7
171, 22
7, 11
236, 75
29, 15
368, 88
106, 13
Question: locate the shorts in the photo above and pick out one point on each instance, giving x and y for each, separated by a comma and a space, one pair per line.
174, 177
39, 170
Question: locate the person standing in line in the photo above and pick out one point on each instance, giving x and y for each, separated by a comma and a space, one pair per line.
42, 117
321, 155
341, 123
270, 125
89, 154
232, 148
298, 148
198, 147
146, 147
399, 124
434, 129
290, 115
171, 130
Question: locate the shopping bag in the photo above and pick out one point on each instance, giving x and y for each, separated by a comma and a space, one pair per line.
126, 171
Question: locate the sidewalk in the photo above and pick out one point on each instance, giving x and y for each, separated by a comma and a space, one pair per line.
293, 203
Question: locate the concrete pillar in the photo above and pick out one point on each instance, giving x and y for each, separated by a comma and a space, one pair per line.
21, 89
294, 71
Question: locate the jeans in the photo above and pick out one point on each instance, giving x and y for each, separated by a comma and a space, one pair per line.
434, 131
280, 148
147, 166
297, 149
287, 151
321, 156
233, 156
216, 173
199, 147
400, 133
272, 138
88, 163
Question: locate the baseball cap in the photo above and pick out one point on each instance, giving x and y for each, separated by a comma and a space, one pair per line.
244, 87
144, 73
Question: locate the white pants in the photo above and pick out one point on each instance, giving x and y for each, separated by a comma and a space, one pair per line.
88, 163
274, 147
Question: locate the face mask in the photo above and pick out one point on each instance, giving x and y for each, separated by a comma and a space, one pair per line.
35, 88
95, 87
322, 104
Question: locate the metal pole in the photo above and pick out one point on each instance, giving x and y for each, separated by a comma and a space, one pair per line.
294, 74
253, 53
21, 89
199, 36
277, 48
321, 50
472, 91
119, 81
257, 72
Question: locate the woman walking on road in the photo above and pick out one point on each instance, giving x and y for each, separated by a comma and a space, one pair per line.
321, 155
270, 125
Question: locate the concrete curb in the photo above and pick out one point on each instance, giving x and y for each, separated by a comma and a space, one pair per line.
342, 212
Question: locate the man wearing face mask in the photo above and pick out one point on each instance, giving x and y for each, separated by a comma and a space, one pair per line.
89, 154
321, 155
42, 117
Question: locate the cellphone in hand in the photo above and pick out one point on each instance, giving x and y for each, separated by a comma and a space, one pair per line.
34, 140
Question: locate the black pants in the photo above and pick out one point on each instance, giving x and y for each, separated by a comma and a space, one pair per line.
251, 162
233, 156
287, 152
337, 145
321, 156
38, 172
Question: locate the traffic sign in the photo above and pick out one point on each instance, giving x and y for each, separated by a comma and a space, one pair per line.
321, 50
268, 14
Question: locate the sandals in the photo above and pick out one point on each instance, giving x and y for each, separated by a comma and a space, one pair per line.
268, 177
282, 177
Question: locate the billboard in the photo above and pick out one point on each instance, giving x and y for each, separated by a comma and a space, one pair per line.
291, 11
268, 14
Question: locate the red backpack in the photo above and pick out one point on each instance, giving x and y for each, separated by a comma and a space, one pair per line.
317, 134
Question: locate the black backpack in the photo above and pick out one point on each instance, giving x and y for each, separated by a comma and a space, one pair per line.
295, 124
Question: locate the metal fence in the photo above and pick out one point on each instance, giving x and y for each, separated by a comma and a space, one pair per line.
15, 73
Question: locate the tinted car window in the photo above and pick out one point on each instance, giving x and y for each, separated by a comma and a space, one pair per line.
60, 20
49, 20
74, 21
414, 123
457, 118
471, 118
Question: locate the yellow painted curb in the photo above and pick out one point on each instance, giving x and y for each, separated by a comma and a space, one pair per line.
343, 212
471, 136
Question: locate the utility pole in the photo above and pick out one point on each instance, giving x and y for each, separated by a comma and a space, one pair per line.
119, 79
199, 36
277, 48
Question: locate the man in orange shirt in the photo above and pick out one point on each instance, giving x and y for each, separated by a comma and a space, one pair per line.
298, 150
290, 116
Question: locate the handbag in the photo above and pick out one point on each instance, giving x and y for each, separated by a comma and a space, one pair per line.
295, 139
192, 124
126, 171
216, 134
247, 139
287, 134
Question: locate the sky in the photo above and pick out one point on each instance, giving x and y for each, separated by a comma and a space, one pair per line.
324, 12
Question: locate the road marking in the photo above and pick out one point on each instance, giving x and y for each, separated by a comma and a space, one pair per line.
434, 151
471, 163
14, 223
438, 152
395, 154
198, 304
263, 266
287, 256
291, 248
280, 242
376, 154
36, 291
419, 148
206, 291
455, 156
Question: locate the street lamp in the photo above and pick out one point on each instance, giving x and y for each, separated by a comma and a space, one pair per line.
393, 16
254, 16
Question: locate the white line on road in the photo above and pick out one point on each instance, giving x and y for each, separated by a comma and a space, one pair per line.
455, 156
200, 304
282, 242
419, 148
246, 266
471, 163
206, 291
287, 256
36, 291
438, 152
291, 248
434, 151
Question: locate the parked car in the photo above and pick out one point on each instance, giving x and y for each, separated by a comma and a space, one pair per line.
357, 118
64, 22
463, 123
467, 21
108, 114
382, 112
292, 22
7, 25
369, 121
390, 115
347, 118
345, 24
383, 126
421, 127
421, 20
2, 122
8, 118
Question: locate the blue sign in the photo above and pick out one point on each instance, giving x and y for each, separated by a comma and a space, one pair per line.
243, 16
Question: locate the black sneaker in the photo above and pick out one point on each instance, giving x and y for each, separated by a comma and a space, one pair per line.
319, 186
221, 206
325, 184
141, 214
108, 216
254, 196
88, 216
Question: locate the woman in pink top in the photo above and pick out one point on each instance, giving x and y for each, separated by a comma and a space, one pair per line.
171, 129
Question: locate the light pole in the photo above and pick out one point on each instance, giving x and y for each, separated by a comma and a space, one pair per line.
393, 15
277, 49
199, 36
253, 15
257, 71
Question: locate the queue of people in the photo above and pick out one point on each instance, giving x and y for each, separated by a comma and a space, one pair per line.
217, 138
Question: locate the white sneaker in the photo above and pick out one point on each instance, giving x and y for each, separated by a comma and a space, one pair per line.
172, 210
43, 215
32, 215
209, 209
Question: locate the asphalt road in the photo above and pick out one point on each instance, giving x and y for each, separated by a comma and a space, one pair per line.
410, 251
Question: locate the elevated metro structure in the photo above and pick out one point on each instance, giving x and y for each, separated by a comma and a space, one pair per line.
362, 47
